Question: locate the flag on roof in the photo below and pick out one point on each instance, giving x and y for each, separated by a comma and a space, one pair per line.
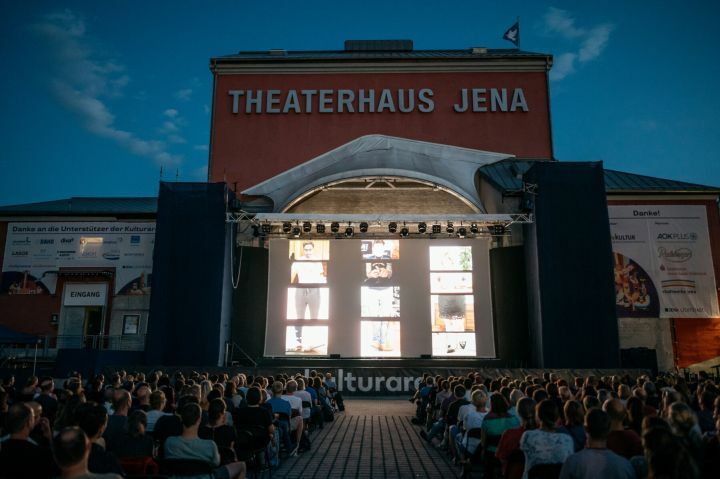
513, 34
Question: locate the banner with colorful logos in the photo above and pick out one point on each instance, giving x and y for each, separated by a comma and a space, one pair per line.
662, 262
35, 252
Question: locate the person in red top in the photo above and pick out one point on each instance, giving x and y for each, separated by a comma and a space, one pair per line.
508, 451
624, 442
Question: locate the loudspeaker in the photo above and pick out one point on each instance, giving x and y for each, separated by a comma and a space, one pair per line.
425, 356
639, 358
335, 356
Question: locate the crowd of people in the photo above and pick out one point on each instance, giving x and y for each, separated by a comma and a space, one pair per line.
136, 424
591, 427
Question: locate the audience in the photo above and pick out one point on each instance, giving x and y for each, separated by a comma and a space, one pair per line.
615, 426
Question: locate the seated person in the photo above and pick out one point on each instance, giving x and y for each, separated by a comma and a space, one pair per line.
280, 406
71, 450
135, 443
296, 422
256, 417
93, 419
157, 409
189, 446
216, 430
19, 455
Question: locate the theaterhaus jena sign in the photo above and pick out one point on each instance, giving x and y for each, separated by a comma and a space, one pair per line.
474, 100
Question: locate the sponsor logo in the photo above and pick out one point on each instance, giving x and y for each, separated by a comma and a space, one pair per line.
677, 255
20, 253
619, 237
135, 239
111, 255
22, 242
47, 241
67, 240
678, 236
678, 283
88, 254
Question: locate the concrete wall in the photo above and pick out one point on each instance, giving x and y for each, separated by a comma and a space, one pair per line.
652, 333
123, 305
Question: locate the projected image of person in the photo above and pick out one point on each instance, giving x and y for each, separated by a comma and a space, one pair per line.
377, 274
307, 300
380, 249
380, 302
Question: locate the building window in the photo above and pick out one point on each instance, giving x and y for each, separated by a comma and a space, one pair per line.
131, 324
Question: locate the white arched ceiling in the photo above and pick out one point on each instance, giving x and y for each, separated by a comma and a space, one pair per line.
449, 167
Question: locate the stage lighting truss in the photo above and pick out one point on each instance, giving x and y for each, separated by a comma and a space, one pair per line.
289, 225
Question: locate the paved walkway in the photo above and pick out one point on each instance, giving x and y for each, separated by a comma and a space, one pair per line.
372, 439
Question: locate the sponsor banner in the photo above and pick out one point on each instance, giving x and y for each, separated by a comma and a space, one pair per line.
85, 294
35, 252
663, 262
404, 381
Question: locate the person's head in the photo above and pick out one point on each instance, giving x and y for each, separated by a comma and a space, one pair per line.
277, 388
157, 400
459, 391
574, 413
378, 248
253, 396
665, 456
121, 401
539, 395
498, 404
190, 415
597, 424
615, 410
20, 419
479, 399
47, 385
515, 396
706, 400
216, 411
328, 376
526, 412
308, 249
300, 384
92, 418
547, 413
682, 419
70, 447
429, 381
291, 386
137, 422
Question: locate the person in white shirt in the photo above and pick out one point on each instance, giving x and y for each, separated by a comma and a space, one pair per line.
296, 421
305, 398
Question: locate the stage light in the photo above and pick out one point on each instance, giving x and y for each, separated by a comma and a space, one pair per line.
349, 232
474, 228
363, 227
404, 232
307, 227
450, 229
392, 227
436, 229
422, 228
320, 228
287, 227
334, 227
497, 230
296, 232
462, 232
266, 228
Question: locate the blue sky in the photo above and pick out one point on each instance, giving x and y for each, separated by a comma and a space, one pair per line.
96, 96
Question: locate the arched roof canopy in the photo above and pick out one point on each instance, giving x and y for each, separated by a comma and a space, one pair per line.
448, 167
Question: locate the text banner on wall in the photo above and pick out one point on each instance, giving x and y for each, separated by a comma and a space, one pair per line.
35, 252
663, 261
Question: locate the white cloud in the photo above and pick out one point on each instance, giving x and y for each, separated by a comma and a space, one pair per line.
563, 66
201, 147
592, 40
560, 21
83, 80
184, 94
206, 109
595, 42
171, 113
176, 139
